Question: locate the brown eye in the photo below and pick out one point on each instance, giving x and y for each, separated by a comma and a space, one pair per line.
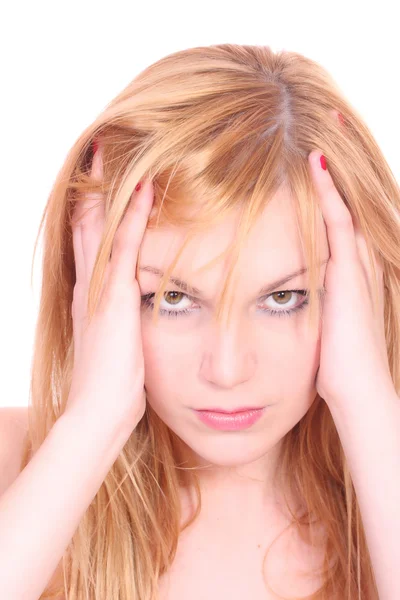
288, 300
281, 297
174, 297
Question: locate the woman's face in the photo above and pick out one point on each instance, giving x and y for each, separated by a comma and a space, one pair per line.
261, 359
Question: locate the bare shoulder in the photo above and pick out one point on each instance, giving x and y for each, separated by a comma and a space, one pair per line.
13, 430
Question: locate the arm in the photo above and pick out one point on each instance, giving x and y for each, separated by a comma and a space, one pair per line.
41, 510
371, 443
354, 375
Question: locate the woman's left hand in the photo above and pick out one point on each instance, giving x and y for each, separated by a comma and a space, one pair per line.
353, 355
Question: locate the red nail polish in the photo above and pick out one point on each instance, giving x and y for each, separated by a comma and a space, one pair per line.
95, 146
138, 187
322, 160
341, 119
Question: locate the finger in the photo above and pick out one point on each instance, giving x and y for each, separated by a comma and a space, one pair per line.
368, 268
379, 309
88, 225
337, 217
129, 235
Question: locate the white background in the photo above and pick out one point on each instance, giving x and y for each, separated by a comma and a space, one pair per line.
62, 62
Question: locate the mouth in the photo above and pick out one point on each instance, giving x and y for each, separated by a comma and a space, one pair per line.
230, 420
231, 412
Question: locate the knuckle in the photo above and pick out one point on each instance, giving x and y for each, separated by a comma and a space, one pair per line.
122, 293
118, 244
78, 299
343, 221
341, 216
89, 223
88, 210
78, 291
119, 289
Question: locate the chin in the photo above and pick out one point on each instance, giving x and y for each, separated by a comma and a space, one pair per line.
220, 448
227, 449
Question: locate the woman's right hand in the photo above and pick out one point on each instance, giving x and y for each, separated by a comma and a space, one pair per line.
108, 373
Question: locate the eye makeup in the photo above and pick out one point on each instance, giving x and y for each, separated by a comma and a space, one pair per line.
147, 303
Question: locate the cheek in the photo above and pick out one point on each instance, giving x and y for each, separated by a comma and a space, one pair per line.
291, 364
165, 357
304, 361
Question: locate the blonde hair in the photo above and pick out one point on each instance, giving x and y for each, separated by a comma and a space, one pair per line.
216, 128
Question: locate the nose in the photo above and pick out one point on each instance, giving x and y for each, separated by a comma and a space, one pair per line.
228, 358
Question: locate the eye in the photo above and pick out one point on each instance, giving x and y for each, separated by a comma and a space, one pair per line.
288, 300
283, 298
171, 298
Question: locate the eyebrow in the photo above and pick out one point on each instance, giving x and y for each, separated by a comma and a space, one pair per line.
193, 291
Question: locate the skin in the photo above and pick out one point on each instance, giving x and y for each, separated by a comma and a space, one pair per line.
262, 359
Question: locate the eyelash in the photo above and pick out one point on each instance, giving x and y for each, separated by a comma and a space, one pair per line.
149, 305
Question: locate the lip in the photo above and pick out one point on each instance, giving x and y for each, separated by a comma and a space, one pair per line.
230, 421
231, 412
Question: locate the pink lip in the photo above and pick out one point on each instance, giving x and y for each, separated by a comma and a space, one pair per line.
225, 421
231, 412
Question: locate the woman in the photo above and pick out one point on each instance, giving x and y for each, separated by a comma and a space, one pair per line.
189, 444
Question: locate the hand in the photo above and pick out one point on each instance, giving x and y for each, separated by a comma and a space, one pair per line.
353, 356
108, 372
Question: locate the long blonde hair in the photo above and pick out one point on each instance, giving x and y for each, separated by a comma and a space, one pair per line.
216, 128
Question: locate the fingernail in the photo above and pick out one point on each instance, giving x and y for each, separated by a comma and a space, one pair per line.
138, 187
341, 119
322, 160
95, 146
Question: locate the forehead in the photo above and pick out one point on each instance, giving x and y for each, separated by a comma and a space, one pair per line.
274, 240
